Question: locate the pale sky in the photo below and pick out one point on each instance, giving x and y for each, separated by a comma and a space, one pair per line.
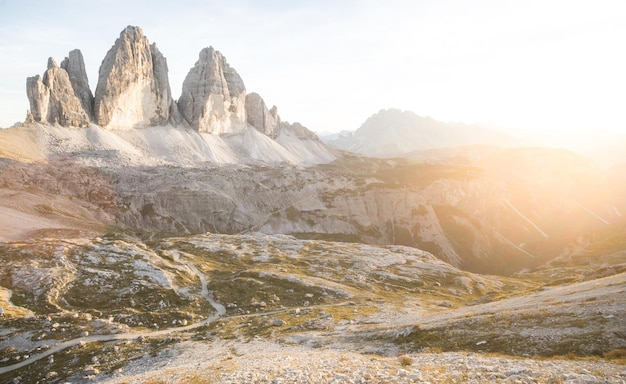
554, 66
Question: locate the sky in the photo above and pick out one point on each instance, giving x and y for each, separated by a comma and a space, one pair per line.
551, 67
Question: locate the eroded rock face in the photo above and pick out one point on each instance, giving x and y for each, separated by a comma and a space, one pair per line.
213, 96
133, 88
74, 65
53, 98
264, 120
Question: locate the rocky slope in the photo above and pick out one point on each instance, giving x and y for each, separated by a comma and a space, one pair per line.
509, 215
121, 309
516, 210
263, 362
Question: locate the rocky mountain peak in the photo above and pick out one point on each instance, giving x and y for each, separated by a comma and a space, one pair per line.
133, 91
74, 65
133, 88
52, 63
54, 98
213, 96
262, 119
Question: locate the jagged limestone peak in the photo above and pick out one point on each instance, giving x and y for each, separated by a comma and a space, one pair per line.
213, 95
133, 89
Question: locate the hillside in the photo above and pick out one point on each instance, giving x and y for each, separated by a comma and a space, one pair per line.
102, 309
512, 210
204, 240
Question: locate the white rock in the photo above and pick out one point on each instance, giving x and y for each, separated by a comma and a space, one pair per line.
133, 89
264, 120
53, 100
213, 96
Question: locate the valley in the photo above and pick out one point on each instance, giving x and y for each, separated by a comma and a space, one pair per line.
95, 305
205, 240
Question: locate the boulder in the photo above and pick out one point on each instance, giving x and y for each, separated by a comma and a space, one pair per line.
213, 96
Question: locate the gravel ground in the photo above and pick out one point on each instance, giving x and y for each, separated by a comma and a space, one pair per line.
266, 362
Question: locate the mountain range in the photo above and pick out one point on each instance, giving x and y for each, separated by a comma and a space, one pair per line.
131, 118
201, 240
219, 160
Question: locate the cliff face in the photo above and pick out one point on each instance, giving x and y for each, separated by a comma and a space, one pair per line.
53, 98
133, 91
213, 96
260, 117
133, 88
75, 67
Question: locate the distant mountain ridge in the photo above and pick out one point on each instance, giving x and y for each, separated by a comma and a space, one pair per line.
133, 117
393, 132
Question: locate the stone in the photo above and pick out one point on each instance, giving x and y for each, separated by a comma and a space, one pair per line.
90, 370
53, 100
262, 119
278, 323
133, 88
213, 96
50, 375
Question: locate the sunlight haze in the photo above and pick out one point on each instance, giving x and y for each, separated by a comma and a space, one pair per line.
540, 68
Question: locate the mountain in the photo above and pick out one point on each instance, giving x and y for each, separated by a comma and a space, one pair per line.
145, 239
133, 119
393, 133
133, 89
219, 160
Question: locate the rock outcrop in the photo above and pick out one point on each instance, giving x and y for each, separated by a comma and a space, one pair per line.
74, 65
53, 98
133, 91
133, 88
213, 96
262, 119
